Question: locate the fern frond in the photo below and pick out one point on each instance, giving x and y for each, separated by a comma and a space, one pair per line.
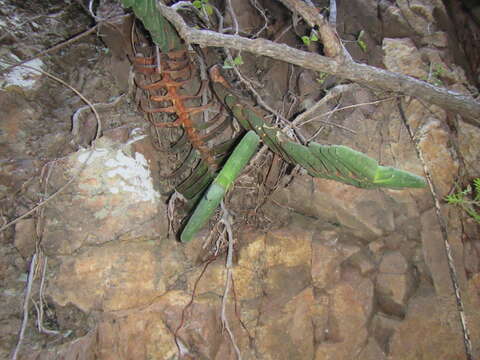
476, 185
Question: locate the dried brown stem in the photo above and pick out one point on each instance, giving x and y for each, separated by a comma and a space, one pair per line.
367, 75
52, 49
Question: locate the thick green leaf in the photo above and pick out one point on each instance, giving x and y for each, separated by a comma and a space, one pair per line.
240, 157
162, 32
334, 162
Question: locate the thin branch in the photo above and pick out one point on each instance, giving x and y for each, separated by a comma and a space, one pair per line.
446, 243
51, 197
26, 301
316, 118
332, 17
41, 295
233, 16
332, 94
62, 44
249, 83
84, 99
100, 106
75, 176
181, 348
229, 278
367, 75
255, 4
52, 49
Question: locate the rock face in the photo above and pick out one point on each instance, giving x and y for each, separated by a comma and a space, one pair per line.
113, 196
114, 277
284, 307
350, 312
468, 136
111, 216
424, 331
402, 56
365, 212
394, 284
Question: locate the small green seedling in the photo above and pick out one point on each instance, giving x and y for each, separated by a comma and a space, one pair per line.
435, 76
361, 42
203, 5
307, 40
237, 61
467, 199
322, 76
438, 72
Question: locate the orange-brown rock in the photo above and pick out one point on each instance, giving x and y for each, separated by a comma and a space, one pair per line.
351, 310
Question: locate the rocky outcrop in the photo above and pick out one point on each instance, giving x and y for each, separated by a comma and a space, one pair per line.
394, 284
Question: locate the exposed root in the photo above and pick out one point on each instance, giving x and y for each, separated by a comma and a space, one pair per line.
41, 300
26, 301
101, 106
51, 197
39, 209
180, 346
229, 278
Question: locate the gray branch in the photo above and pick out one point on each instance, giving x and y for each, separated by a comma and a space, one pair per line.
363, 74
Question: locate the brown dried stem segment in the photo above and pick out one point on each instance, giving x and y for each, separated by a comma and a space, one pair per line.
175, 72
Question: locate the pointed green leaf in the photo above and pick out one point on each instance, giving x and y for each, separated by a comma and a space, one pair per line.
236, 162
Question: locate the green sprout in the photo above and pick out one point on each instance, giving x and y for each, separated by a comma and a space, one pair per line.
229, 64
436, 73
307, 40
361, 42
203, 5
468, 199
322, 76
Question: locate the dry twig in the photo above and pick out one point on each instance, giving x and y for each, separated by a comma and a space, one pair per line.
446, 243
317, 118
229, 278
99, 131
52, 49
26, 302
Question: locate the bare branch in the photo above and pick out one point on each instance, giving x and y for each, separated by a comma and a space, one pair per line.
367, 75
332, 19
28, 291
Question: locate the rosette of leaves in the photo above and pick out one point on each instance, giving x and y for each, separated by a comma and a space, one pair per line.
339, 163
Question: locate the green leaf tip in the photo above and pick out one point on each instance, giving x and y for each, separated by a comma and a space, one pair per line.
204, 210
240, 157
390, 177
